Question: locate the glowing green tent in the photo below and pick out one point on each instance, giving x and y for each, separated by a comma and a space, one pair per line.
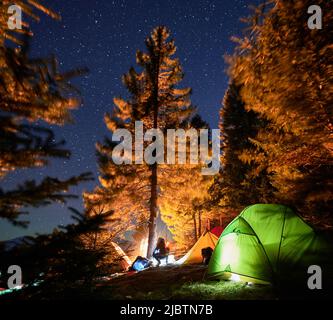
265, 244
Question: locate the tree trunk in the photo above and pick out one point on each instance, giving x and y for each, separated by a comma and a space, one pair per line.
153, 195
195, 228
199, 224
153, 212
208, 225
221, 221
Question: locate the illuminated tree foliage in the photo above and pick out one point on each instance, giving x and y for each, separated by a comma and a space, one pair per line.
183, 203
155, 100
183, 208
31, 90
286, 73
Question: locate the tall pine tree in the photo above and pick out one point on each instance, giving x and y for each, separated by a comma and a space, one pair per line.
155, 100
240, 183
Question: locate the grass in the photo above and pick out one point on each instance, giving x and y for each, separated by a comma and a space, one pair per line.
178, 282
223, 290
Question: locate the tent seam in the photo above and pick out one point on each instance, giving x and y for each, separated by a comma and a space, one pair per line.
269, 262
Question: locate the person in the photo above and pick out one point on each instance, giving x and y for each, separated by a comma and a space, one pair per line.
206, 254
161, 251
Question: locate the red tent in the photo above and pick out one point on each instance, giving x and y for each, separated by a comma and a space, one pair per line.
217, 231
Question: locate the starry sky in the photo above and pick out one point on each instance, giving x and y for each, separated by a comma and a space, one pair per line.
104, 35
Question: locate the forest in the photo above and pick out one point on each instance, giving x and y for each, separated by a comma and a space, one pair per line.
274, 145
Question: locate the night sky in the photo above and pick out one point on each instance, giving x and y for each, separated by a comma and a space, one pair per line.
104, 35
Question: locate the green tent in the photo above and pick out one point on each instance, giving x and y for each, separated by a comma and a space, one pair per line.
267, 243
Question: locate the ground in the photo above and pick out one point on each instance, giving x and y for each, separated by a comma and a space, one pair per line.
178, 282
172, 283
